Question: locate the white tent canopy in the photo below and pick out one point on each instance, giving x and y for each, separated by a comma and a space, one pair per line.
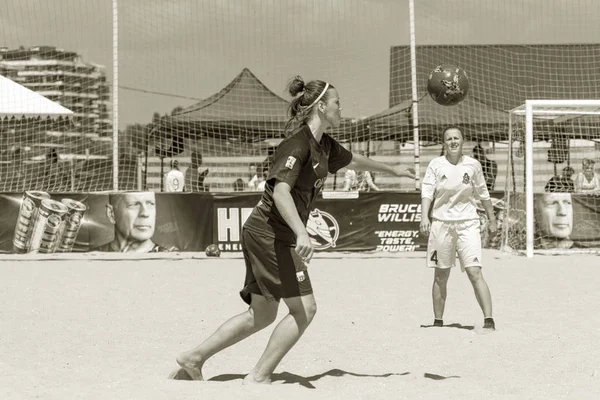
18, 101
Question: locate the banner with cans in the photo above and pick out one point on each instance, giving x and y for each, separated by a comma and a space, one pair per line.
37, 222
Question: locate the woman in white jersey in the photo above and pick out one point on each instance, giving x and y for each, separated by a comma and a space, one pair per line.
453, 183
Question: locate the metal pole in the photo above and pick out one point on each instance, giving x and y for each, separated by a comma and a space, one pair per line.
162, 173
529, 176
415, 96
115, 91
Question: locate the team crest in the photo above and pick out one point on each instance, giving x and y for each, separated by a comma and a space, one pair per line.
323, 229
291, 161
466, 179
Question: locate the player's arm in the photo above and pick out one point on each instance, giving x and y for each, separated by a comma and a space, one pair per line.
489, 210
362, 163
480, 187
287, 208
427, 193
290, 158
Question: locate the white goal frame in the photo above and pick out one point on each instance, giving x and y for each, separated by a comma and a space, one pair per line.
550, 111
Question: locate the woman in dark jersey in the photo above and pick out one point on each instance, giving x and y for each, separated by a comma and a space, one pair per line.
276, 245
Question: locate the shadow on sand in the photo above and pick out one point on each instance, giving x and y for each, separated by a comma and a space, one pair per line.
455, 325
438, 377
290, 378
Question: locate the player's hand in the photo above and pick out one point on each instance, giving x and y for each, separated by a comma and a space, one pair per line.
493, 225
304, 247
400, 170
425, 226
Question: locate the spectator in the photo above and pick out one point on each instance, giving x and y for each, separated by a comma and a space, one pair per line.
359, 181
194, 179
51, 178
561, 183
587, 181
489, 167
253, 177
263, 181
238, 185
174, 179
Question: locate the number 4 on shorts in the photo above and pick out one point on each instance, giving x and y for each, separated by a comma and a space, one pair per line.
434, 256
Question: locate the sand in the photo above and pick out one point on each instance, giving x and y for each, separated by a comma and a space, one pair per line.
92, 329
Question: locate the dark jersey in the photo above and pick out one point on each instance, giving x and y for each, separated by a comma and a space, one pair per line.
303, 163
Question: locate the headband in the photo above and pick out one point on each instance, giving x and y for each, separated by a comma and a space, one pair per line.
321, 95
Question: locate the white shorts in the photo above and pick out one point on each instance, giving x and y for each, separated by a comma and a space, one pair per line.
449, 239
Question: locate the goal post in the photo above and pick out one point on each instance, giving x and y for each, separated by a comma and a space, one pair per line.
561, 122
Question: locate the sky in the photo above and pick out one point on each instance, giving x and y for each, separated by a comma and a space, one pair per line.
187, 50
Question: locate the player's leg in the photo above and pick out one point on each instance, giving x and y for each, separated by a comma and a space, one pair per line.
441, 256
260, 257
470, 256
259, 315
439, 293
296, 291
284, 337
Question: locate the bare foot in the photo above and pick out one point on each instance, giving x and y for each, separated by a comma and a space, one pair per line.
252, 379
180, 374
192, 366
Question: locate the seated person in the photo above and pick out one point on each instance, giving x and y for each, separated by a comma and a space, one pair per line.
561, 183
588, 180
359, 181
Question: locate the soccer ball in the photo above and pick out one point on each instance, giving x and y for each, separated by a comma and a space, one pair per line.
448, 85
213, 250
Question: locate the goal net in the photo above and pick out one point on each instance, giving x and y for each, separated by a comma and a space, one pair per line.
553, 190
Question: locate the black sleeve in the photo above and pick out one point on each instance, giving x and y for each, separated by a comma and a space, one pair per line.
339, 157
290, 157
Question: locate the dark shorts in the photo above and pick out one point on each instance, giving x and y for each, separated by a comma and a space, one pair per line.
273, 269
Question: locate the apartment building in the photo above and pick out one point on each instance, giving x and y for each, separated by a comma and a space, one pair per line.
63, 77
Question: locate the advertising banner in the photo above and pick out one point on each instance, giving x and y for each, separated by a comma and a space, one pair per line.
381, 221
36, 222
561, 221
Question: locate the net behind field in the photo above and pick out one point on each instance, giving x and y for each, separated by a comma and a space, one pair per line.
97, 323
209, 77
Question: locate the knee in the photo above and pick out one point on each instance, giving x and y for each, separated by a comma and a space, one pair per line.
311, 311
474, 274
306, 314
441, 279
263, 317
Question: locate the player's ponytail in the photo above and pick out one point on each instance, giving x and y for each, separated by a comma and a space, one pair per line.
305, 97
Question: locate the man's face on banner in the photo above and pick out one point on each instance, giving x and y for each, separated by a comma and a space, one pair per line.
135, 215
554, 215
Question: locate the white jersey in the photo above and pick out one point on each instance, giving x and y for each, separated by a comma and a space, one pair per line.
174, 181
454, 189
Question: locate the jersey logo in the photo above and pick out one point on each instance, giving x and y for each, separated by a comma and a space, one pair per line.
291, 161
466, 178
315, 166
320, 182
323, 229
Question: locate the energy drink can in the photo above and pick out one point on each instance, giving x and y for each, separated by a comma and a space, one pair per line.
70, 225
47, 224
32, 200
